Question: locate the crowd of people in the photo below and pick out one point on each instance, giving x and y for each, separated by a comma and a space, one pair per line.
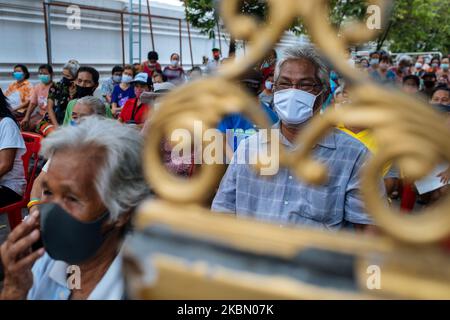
83, 200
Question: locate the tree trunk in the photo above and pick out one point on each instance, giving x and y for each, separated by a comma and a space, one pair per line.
383, 38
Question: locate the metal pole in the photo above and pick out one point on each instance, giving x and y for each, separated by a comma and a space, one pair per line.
189, 34
140, 31
130, 31
151, 25
47, 31
181, 43
190, 43
123, 38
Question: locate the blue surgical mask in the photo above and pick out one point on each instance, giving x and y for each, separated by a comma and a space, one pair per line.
445, 66
117, 79
73, 123
174, 63
44, 78
269, 85
334, 76
19, 75
294, 106
126, 78
374, 62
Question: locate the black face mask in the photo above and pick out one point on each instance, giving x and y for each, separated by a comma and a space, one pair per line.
84, 91
441, 107
68, 239
66, 82
429, 84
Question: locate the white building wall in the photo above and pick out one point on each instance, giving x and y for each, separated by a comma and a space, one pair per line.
98, 43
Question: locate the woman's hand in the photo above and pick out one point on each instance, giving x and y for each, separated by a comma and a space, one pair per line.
445, 176
25, 123
18, 259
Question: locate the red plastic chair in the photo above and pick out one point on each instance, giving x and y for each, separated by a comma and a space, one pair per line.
33, 145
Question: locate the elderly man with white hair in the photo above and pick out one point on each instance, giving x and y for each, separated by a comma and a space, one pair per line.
301, 87
92, 187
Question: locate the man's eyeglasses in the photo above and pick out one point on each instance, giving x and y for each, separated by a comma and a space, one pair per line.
304, 86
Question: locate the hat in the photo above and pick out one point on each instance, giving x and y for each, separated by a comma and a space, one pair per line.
215, 49
142, 78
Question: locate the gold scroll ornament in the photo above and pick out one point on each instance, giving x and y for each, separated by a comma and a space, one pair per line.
406, 130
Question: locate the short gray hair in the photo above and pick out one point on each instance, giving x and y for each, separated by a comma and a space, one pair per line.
404, 58
97, 106
306, 52
120, 182
72, 66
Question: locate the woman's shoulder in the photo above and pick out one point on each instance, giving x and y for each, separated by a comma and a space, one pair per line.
7, 122
8, 127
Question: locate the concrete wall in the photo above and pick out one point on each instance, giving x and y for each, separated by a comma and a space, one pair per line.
98, 43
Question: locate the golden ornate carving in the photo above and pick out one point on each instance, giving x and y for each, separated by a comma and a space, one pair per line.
407, 131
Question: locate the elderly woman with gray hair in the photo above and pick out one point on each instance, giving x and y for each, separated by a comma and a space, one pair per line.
61, 93
93, 185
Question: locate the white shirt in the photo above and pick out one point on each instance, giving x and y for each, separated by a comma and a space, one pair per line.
50, 281
11, 138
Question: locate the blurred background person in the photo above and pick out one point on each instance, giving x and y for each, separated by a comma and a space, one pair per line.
109, 84
38, 99
174, 73
87, 81
59, 95
151, 65
123, 91
429, 84
135, 111
19, 91
158, 77
213, 64
435, 64
266, 96
12, 147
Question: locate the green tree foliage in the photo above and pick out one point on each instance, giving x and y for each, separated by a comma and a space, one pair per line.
420, 25
414, 25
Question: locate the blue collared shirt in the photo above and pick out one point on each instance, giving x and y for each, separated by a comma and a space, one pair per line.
283, 199
50, 281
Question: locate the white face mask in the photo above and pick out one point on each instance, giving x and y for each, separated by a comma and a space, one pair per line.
174, 63
294, 106
268, 85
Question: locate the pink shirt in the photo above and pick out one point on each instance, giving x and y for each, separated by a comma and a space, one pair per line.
39, 97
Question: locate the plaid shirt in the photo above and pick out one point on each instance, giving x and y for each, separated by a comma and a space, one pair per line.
283, 199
